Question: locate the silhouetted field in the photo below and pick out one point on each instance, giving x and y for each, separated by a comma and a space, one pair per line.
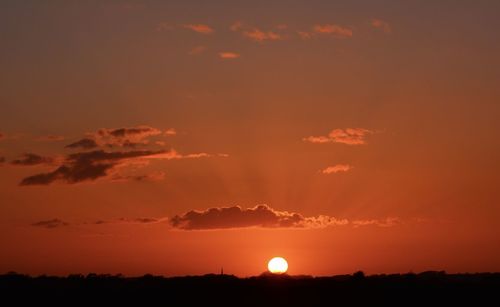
424, 289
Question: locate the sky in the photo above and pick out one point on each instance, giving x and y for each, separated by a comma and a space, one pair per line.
179, 137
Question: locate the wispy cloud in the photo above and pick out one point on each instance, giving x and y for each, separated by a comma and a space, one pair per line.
336, 169
258, 216
197, 50
119, 137
50, 138
229, 55
334, 30
387, 222
381, 24
30, 159
236, 26
54, 223
349, 136
261, 36
200, 28
90, 166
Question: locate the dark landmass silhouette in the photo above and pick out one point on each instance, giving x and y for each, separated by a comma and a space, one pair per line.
424, 289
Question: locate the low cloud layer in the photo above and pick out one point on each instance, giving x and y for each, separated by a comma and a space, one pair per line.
258, 216
349, 136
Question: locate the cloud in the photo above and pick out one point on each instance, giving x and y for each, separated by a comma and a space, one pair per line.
170, 131
29, 159
304, 35
349, 136
85, 143
89, 166
331, 29
387, 222
151, 177
50, 138
124, 220
382, 25
197, 50
199, 28
236, 26
258, 216
119, 137
2, 160
54, 223
337, 168
228, 55
260, 36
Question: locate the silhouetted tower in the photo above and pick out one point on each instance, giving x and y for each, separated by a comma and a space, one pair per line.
221, 271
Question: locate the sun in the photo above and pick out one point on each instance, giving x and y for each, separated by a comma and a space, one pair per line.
277, 265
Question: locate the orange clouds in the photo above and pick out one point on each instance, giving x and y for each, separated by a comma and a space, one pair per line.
380, 24
200, 28
120, 137
332, 29
29, 159
258, 216
228, 55
349, 136
261, 36
103, 163
337, 168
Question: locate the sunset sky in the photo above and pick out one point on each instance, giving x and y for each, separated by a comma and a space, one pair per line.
179, 137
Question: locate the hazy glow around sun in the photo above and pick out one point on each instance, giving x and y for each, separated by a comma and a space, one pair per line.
277, 265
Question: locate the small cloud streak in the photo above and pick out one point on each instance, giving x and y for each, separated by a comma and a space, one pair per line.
332, 29
236, 26
349, 136
228, 55
387, 222
50, 224
382, 25
50, 138
261, 36
197, 50
258, 216
336, 169
170, 131
199, 28
151, 177
30, 159
304, 35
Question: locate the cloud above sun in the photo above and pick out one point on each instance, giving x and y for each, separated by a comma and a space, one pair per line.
258, 216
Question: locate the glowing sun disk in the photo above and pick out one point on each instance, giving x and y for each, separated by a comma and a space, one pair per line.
277, 265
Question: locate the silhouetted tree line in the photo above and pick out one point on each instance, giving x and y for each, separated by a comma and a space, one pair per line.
423, 289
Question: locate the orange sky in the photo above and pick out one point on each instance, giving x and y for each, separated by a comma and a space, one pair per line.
178, 137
